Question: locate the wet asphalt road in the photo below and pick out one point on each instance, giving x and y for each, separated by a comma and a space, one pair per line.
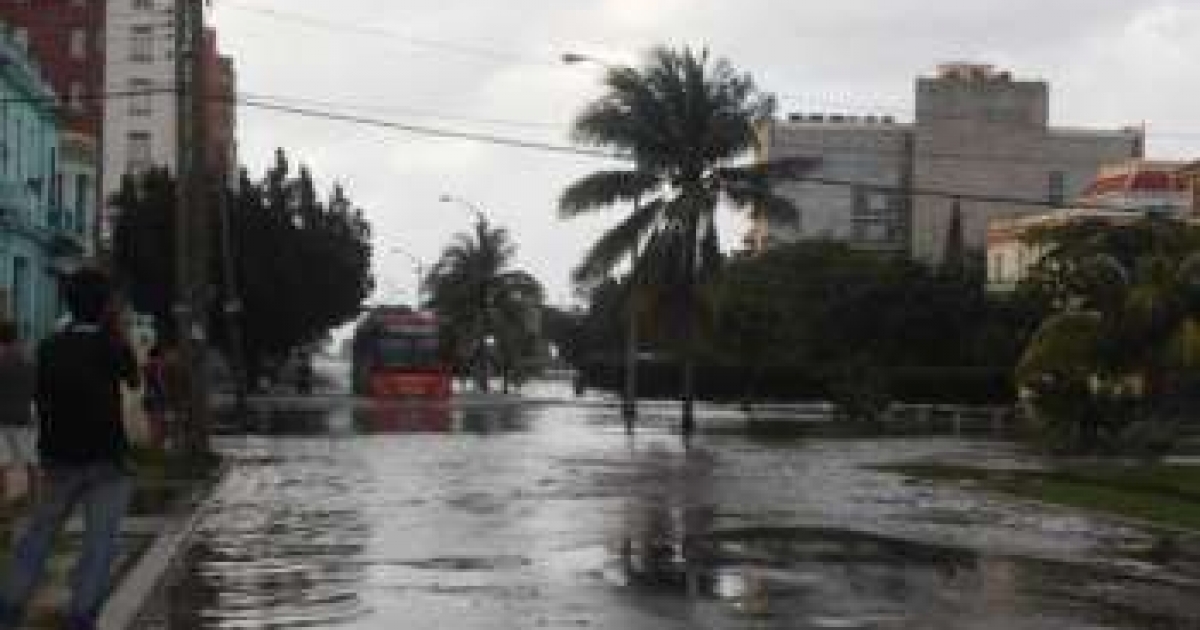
493, 515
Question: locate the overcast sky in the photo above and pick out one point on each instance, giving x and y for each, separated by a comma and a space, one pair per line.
492, 66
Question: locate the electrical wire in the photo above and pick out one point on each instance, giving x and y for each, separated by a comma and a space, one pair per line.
427, 130
311, 21
261, 102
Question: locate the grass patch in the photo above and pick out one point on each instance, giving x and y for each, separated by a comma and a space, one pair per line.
1167, 495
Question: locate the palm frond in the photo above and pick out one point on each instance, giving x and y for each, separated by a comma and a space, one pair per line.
604, 189
617, 243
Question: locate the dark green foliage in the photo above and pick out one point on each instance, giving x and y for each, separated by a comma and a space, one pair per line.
478, 297
144, 244
1110, 369
302, 265
687, 122
823, 321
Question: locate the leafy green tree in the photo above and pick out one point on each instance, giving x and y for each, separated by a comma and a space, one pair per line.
144, 246
478, 297
1123, 341
302, 265
686, 121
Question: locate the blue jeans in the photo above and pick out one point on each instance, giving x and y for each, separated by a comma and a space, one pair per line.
104, 491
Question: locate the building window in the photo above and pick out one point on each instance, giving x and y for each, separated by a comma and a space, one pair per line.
140, 97
82, 183
79, 43
138, 152
22, 303
141, 44
1057, 188
75, 97
143, 5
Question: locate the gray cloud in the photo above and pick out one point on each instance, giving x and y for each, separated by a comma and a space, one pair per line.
1110, 62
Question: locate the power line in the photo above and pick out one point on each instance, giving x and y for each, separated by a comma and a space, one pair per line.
389, 34
526, 144
391, 109
427, 130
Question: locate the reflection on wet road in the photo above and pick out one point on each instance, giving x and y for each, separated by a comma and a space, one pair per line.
508, 516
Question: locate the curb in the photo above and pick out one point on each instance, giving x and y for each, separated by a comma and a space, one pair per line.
136, 588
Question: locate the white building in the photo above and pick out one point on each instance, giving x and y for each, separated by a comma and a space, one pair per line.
977, 133
139, 131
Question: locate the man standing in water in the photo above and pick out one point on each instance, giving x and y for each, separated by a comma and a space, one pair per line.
82, 446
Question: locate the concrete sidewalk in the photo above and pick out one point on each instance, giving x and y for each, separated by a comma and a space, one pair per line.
149, 545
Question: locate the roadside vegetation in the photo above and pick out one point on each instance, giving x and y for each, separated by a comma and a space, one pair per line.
1167, 495
301, 260
488, 311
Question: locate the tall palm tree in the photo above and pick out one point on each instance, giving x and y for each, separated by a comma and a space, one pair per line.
478, 298
687, 122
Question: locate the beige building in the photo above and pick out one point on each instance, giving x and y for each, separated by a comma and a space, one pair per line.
978, 134
1121, 194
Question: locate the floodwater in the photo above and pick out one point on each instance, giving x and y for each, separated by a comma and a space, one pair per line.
341, 514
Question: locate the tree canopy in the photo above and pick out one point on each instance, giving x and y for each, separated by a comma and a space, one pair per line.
687, 122
301, 261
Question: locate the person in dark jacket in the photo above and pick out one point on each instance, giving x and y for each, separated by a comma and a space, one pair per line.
16, 408
82, 448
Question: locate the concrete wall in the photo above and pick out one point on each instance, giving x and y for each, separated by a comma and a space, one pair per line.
868, 153
977, 132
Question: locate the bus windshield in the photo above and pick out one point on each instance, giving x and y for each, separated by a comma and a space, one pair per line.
405, 351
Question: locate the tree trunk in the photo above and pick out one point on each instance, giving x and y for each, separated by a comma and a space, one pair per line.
688, 423
629, 399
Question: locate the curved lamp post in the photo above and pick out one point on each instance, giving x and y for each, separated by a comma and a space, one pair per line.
629, 395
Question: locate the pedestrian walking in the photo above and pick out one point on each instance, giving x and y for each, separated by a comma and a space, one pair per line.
82, 448
16, 412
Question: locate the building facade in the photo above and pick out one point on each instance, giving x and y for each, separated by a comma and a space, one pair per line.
30, 239
113, 64
979, 139
139, 130
66, 38
1121, 194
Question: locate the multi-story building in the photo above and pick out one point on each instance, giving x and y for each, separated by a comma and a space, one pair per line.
139, 130
30, 238
222, 109
113, 62
66, 37
979, 139
1120, 194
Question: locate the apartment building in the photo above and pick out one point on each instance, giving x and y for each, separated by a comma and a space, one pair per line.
977, 132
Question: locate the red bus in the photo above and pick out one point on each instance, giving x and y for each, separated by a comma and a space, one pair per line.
396, 354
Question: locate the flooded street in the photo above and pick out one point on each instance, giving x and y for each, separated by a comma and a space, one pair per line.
342, 514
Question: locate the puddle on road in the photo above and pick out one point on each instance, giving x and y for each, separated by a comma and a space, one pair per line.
366, 516
376, 418
812, 577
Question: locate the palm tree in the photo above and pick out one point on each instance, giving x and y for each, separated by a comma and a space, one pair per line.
478, 299
687, 123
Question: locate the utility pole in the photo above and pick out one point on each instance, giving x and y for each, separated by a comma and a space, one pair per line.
190, 244
629, 395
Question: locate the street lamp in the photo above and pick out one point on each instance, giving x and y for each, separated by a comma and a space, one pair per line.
629, 394
574, 58
418, 264
479, 215
483, 325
